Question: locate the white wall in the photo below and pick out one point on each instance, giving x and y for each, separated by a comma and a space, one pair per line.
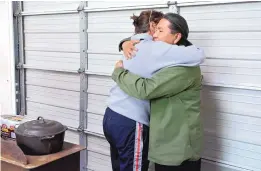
7, 83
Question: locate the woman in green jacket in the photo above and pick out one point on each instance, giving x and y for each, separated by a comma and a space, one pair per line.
174, 93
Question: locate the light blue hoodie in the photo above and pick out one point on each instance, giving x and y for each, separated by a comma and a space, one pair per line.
150, 58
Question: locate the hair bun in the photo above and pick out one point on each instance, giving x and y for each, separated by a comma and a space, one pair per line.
135, 20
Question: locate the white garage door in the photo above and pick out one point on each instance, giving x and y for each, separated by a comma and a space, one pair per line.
56, 36
230, 35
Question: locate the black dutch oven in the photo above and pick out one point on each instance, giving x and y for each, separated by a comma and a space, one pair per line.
40, 137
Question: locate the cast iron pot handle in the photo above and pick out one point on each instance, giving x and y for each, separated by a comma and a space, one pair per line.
41, 119
47, 137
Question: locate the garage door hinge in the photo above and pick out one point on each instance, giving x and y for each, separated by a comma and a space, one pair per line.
18, 13
80, 129
80, 8
19, 66
81, 70
171, 3
22, 112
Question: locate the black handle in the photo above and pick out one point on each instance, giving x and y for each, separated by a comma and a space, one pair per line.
41, 119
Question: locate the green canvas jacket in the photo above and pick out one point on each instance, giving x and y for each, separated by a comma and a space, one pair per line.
175, 125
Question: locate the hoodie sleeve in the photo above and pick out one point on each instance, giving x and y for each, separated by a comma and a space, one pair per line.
187, 56
122, 41
174, 55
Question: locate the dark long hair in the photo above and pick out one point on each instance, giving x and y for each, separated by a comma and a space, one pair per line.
178, 24
142, 22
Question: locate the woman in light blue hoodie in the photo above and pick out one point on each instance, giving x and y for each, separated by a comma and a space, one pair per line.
126, 120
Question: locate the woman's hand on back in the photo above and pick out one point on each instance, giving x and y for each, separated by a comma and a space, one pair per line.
129, 48
119, 64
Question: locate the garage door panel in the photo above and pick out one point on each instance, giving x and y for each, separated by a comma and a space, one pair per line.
232, 51
217, 166
100, 84
250, 82
46, 50
103, 57
94, 123
66, 116
57, 38
70, 96
234, 108
52, 28
58, 59
53, 47
232, 95
242, 15
56, 80
54, 93
67, 113
54, 84
94, 108
227, 75
231, 106
52, 65
49, 96
104, 4
49, 75
95, 128
247, 136
231, 120
35, 112
225, 25
226, 43
218, 141
108, 41
232, 7
229, 146
106, 69
50, 6
223, 36
102, 62
113, 21
41, 21
69, 64
72, 137
210, 114
232, 63
236, 160
59, 23
61, 42
223, 17
95, 119
248, 72
247, 127
97, 103
98, 144
97, 161
118, 15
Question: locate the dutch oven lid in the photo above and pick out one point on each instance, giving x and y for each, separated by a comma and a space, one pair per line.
40, 127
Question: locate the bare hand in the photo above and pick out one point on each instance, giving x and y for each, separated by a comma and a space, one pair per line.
129, 48
119, 64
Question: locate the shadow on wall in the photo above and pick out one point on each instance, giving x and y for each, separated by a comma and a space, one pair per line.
209, 114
